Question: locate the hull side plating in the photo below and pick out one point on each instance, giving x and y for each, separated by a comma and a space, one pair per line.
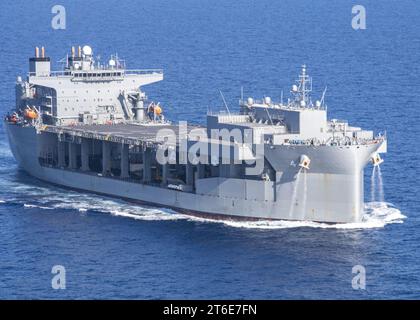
331, 191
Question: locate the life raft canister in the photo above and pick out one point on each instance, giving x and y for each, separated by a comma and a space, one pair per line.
12, 119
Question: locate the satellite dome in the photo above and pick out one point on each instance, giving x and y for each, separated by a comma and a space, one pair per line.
112, 63
87, 51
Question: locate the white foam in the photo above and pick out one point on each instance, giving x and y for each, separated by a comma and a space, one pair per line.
5, 152
372, 184
36, 206
150, 215
380, 186
377, 215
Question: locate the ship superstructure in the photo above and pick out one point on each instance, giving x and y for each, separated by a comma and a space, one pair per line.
91, 127
84, 92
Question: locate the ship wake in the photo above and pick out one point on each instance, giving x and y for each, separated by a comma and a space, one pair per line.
377, 215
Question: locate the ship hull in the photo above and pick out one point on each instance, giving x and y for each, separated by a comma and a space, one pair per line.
334, 197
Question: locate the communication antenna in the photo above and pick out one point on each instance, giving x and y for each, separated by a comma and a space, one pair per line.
269, 117
323, 96
242, 93
281, 98
64, 61
224, 101
98, 59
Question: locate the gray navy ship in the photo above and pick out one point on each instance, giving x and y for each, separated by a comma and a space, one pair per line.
91, 127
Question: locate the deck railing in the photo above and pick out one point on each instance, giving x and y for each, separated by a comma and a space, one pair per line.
98, 73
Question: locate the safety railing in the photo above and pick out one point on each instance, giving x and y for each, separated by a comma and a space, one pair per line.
97, 73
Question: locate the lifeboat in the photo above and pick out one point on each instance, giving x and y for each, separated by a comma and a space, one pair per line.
158, 110
30, 114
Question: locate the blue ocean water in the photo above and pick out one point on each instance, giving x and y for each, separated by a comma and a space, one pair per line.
114, 249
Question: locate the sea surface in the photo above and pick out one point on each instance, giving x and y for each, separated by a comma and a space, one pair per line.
113, 249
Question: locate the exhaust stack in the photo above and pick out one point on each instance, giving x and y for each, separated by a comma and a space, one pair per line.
40, 65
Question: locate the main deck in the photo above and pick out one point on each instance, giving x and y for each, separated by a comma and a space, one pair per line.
126, 133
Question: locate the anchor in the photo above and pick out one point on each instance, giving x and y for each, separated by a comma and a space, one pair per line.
304, 161
376, 159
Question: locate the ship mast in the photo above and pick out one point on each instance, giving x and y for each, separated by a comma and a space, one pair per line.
302, 90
